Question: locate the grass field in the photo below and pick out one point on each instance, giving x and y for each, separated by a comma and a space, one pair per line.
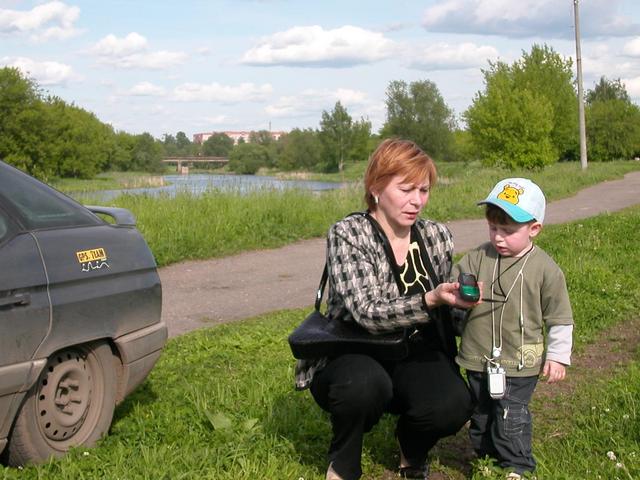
220, 403
222, 223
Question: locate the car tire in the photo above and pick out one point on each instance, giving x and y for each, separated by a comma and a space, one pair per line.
71, 404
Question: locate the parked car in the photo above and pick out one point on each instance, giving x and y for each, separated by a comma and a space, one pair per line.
80, 318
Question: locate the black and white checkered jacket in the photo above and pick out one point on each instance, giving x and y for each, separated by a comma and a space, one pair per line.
362, 287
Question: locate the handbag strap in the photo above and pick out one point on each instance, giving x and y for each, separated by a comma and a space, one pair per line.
390, 257
323, 282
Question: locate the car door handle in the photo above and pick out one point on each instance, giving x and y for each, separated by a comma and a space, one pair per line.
17, 299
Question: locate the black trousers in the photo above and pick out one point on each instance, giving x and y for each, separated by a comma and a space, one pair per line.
502, 428
426, 390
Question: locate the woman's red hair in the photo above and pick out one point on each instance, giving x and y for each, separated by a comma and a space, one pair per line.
396, 157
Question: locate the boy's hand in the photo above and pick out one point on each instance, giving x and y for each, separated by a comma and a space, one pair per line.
554, 371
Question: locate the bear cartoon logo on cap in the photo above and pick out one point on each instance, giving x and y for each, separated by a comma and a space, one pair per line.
510, 193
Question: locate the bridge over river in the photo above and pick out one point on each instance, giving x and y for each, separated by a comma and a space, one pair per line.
187, 161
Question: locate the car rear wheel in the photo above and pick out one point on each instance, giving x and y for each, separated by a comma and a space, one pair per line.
71, 404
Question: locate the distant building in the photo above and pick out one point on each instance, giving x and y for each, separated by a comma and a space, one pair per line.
236, 136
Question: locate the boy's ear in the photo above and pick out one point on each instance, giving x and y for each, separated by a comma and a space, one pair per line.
534, 229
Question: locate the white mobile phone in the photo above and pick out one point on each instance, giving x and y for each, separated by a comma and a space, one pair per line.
497, 382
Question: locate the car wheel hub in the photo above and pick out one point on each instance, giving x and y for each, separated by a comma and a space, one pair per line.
64, 397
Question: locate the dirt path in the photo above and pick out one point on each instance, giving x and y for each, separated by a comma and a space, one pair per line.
202, 293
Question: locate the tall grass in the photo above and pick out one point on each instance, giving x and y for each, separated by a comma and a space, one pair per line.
108, 181
222, 223
220, 403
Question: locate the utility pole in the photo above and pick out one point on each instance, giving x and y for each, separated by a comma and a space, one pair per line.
583, 132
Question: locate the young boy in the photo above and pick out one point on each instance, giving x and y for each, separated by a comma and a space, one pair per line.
503, 346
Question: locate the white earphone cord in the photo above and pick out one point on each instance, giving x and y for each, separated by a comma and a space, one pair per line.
498, 348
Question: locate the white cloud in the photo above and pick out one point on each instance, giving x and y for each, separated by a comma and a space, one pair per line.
154, 60
43, 22
443, 56
112, 46
633, 87
204, 51
45, 73
632, 48
132, 52
603, 60
313, 102
217, 120
146, 89
527, 18
313, 46
214, 92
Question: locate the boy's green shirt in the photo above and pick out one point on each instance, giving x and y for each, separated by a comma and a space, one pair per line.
545, 303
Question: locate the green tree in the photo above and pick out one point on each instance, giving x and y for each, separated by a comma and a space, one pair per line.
264, 138
613, 122
169, 145
121, 152
261, 137
184, 146
607, 90
78, 141
146, 154
23, 125
546, 73
360, 141
335, 136
510, 127
463, 146
217, 145
613, 130
417, 112
299, 149
341, 138
514, 104
247, 158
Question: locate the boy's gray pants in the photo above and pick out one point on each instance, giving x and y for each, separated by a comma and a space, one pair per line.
502, 428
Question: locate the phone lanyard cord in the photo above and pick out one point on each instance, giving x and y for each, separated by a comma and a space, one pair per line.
497, 348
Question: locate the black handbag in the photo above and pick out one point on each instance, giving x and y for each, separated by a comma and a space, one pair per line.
317, 336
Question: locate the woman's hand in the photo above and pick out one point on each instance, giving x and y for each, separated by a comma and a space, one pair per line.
448, 294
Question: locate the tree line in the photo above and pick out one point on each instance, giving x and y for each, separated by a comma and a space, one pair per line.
47, 137
525, 116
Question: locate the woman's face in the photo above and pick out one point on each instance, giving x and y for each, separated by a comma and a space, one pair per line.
401, 201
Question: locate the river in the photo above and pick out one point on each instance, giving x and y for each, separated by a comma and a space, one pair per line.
200, 183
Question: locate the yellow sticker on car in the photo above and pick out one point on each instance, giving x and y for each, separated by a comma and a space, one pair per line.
91, 255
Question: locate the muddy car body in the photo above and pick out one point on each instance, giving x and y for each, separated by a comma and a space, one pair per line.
80, 318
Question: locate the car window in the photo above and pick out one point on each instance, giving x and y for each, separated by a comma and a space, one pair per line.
38, 205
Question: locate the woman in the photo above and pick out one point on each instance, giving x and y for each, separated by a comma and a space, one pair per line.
384, 292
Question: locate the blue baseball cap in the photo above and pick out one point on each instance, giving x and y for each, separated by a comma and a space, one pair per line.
520, 198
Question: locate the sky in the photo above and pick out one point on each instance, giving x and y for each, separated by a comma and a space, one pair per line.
217, 65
